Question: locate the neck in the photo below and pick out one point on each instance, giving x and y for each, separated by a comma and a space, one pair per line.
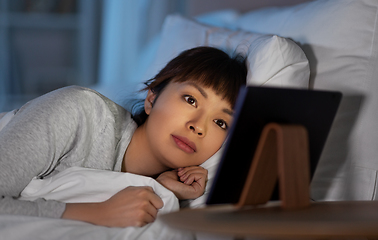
139, 159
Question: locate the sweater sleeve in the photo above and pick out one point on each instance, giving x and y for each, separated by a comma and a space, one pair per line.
33, 143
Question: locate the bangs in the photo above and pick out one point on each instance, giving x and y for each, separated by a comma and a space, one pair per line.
225, 78
206, 66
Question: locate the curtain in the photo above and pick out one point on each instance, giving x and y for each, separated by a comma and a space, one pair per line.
128, 26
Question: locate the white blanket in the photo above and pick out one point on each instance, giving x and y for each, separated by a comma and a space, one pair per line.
87, 185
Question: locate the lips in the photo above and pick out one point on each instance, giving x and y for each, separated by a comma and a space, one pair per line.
184, 144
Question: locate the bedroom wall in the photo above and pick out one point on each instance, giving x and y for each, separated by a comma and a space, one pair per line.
44, 45
127, 28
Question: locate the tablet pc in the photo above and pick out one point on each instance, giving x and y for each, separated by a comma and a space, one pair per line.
256, 107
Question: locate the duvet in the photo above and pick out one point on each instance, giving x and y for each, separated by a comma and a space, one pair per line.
78, 184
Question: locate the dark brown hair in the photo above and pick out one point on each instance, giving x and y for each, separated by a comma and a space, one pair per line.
206, 66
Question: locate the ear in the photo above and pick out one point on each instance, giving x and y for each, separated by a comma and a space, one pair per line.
149, 101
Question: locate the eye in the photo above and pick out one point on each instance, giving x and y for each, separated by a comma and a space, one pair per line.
191, 100
222, 124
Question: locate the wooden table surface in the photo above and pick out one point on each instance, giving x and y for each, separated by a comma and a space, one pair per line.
320, 220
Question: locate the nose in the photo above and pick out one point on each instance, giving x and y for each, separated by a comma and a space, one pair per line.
196, 130
198, 125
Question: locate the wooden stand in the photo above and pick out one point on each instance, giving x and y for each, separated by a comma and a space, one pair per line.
283, 154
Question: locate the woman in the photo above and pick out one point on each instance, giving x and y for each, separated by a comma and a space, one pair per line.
185, 119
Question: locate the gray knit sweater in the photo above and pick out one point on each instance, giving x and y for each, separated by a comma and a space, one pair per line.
72, 126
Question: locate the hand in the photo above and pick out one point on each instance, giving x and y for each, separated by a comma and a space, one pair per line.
132, 206
185, 183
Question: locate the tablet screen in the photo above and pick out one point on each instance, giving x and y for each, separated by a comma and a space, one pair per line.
258, 106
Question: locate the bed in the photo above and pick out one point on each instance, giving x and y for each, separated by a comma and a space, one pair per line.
322, 44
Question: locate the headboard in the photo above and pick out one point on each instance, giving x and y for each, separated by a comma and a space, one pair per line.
340, 39
196, 7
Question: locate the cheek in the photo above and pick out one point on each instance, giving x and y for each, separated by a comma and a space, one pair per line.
215, 140
166, 108
164, 119
213, 144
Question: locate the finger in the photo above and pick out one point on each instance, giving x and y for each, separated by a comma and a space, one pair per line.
197, 188
147, 212
194, 169
151, 210
148, 188
196, 177
190, 177
188, 180
184, 170
144, 217
156, 201
190, 191
197, 172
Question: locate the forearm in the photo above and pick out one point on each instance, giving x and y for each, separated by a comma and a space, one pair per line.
40, 207
30, 146
86, 212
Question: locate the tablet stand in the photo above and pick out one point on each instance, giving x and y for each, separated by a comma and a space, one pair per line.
282, 153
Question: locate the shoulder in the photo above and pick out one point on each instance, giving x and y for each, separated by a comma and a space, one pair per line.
76, 102
73, 93
76, 98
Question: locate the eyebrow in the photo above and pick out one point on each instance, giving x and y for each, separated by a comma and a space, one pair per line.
228, 111
203, 93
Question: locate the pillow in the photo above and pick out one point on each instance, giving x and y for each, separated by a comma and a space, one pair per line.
340, 39
219, 18
271, 61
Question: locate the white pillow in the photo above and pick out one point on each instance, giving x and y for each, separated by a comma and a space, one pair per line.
340, 39
272, 60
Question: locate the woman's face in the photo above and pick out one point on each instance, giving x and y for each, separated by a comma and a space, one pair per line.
187, 123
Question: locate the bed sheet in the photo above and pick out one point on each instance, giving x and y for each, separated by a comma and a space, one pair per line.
25, 227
